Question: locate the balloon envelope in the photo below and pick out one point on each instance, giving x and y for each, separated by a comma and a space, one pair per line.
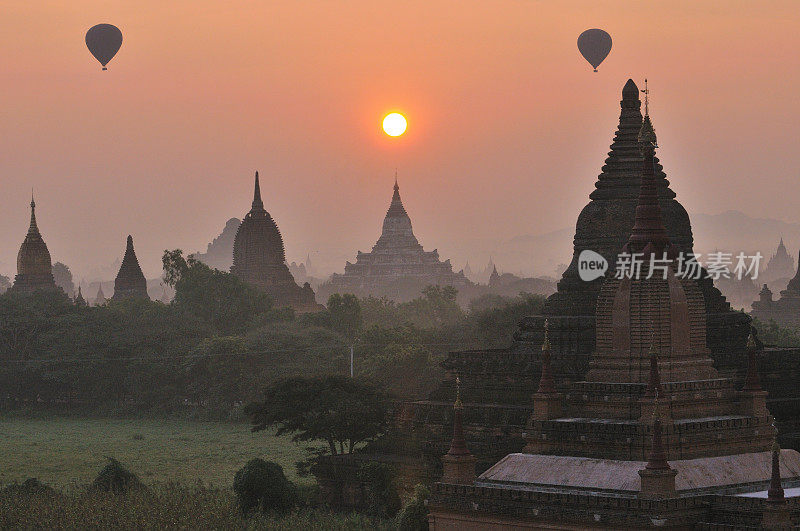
594, 45
104, 41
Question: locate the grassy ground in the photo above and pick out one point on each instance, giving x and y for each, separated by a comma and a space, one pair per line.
68, 452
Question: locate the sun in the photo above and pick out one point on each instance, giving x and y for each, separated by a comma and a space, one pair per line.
394, 124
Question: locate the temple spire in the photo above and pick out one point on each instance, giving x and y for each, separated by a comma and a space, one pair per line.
648, 234
396, 208
458, 464
258, 204
546, 383
657, 460
654, 379
775, 492
458, 446
752, 381
33, 229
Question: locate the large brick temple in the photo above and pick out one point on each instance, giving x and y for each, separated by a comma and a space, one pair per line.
397, 267
34, 267
653, 435
499, 384
259, 259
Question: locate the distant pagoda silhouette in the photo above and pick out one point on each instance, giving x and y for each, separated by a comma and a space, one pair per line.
397, 267
780, 265
34, 267
259, 259
130, 282
784, 311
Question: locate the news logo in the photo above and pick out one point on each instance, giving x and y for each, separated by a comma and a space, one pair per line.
591, 265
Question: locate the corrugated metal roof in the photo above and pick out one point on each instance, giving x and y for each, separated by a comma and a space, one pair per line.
530, 471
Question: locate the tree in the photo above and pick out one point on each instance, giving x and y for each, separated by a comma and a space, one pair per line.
215, 370
25, 316
63, 277
345, 312
228, 305
339, 411
262, 484
494, 320
5, 284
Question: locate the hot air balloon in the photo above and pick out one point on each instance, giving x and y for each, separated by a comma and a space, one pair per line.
104, 41
594, 45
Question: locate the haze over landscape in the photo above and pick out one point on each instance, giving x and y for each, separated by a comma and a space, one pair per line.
508, 126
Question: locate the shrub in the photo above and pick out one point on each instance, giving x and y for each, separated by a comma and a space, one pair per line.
116, 478
262, 484
29, 487
381, 492
414, 516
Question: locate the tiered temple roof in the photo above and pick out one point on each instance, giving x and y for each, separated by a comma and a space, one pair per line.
260, 260
130, 282
34, 267
397, 260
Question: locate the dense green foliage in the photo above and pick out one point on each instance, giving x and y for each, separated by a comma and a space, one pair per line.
414, 516
220, 342
116, 478
339, 411
165, 506
378, 479
773, 334
261, 485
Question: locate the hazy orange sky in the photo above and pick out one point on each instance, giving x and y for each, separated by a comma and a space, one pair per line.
508, 126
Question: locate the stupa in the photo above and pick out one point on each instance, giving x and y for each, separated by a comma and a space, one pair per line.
34, 267
130, 282
780, 265
259, 259
397, 267
100, 299
79, 300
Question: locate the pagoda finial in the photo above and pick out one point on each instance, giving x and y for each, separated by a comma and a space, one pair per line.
752, 381
657, 460
648, 236
395, 180
33, 229
775, 492
654, 381
458, 446
646, 92
129, 243
257, 203
546, 383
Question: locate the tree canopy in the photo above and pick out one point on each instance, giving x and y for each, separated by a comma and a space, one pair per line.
339, 411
